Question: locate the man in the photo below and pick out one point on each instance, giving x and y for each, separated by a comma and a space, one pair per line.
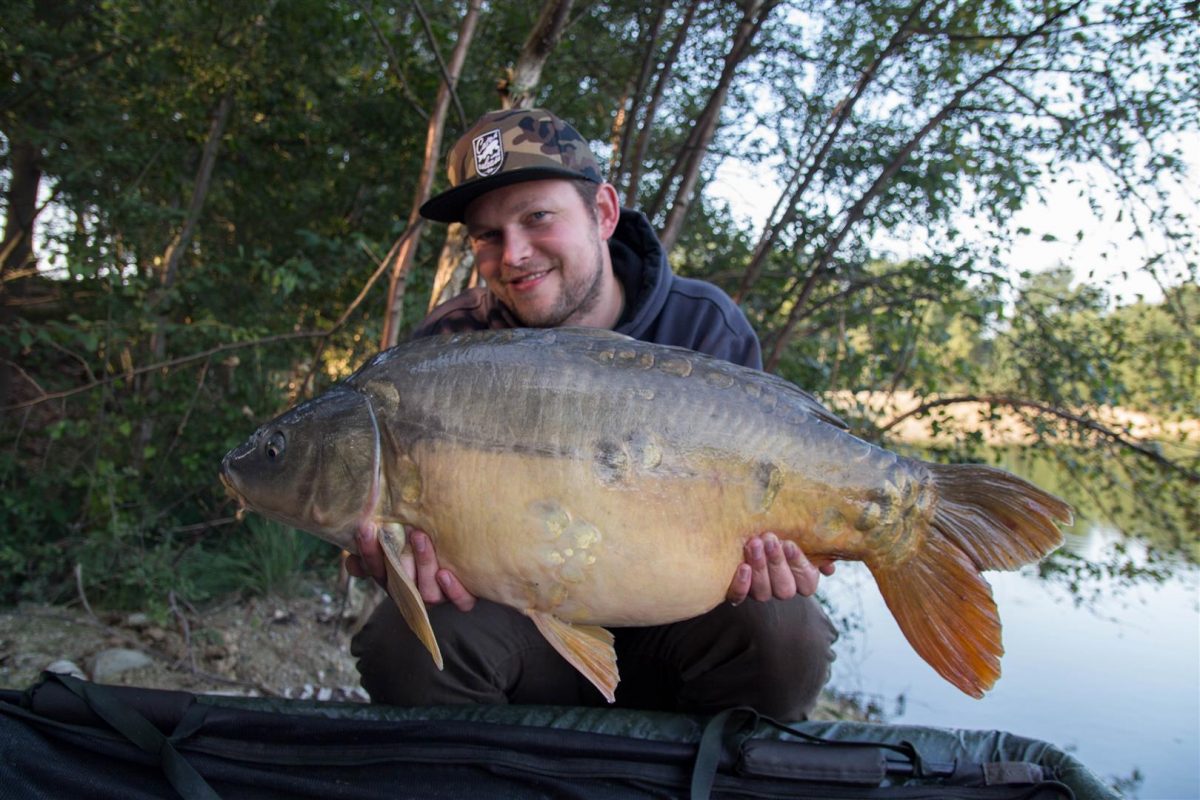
555, 248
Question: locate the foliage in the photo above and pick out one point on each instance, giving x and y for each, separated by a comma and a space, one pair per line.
263, 558
886, 265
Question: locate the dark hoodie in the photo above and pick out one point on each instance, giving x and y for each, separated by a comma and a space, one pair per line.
660, 306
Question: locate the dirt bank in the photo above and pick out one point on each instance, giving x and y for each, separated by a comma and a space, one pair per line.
288, 647
275, 646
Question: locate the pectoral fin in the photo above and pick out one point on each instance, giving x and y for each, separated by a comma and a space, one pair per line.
406, 596
588, 648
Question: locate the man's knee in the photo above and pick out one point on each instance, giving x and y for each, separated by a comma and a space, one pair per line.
800, 662
492, 654
782, 631
392, 663
780, 653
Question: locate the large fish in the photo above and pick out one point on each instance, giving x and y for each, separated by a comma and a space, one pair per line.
590, 480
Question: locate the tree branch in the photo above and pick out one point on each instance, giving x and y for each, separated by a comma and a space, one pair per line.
393, 61
625, 122
437, 54
167, 364
754, 15
648, 116
859, 209
175, 362
1116, 437
797, 186
345, 315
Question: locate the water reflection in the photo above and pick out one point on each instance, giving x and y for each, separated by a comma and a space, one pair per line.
1095, 541
1104, 560
1102, 639
1102, 657
1129, 528
1138, 523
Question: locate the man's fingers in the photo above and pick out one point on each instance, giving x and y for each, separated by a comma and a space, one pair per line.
454, 591
804, 572
775, 569
426, 566
783, 581
739, 587
760, 576
370, 554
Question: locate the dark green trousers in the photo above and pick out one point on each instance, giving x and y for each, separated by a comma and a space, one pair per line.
773, 656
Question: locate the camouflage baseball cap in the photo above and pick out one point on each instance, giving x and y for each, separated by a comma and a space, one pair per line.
506, 147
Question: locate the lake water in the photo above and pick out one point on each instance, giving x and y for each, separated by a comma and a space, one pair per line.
1115, 680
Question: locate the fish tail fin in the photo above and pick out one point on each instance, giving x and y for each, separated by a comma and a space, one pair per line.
999, 520
945, 609
985, 518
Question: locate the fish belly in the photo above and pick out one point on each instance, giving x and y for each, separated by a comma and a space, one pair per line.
611, 482
545, 533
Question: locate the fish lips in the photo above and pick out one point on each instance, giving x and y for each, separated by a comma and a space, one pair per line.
229, 473
231, 489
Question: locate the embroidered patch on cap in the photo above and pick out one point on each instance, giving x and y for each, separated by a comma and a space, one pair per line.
489, 153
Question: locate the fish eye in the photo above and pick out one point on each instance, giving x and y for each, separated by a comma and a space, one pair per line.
275, 446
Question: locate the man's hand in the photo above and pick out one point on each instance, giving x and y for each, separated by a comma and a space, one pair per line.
418, 560
775, 569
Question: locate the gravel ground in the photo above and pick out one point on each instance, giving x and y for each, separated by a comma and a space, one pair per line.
289, 647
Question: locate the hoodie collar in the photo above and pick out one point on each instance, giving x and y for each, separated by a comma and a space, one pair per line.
640, 263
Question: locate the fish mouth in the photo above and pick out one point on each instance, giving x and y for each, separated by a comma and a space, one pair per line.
232, 491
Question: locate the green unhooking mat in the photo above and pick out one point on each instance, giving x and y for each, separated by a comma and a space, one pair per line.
66, 738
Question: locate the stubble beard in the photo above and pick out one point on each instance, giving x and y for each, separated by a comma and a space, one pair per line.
577, 299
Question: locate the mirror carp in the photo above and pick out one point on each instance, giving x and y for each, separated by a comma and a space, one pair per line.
590, 480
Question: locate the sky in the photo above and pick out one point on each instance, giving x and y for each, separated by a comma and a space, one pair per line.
1108, 250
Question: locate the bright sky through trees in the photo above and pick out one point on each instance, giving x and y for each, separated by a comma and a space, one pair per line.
1054, 215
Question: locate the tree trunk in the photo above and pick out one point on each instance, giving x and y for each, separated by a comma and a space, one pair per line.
403, 251
647, 124
753, 17
455, 265
626, 122
618, 135
168, 269
16, 251
517, 91
208, 160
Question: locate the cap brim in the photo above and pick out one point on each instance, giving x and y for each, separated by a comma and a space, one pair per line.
451, 205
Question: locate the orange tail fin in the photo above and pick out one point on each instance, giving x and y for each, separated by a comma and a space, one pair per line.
985, 518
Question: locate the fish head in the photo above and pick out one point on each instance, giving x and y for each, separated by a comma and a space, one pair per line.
315, 467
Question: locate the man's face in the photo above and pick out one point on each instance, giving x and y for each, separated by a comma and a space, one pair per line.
544, 254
